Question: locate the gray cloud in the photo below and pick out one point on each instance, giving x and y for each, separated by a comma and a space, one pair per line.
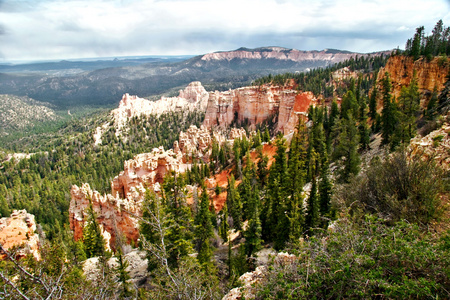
42, 29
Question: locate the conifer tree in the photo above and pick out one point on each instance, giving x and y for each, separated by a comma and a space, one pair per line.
388, 117
325, 187
93, 241
123, 274
274, 205
204, 231
363, 126
234, 203
297, 176
373, 103
312, 213
347, 148
254, 230
178, 217
406, 113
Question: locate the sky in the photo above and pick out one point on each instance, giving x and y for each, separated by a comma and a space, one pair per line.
65, 29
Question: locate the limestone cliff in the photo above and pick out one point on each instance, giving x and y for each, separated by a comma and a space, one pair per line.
428, 73
118, 212
19, 230
256, 104
193, 97
114, 215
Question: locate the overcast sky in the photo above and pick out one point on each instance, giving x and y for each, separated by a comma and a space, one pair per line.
64, 29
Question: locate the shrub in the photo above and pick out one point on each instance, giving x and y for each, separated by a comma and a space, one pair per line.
397, 188
362, 262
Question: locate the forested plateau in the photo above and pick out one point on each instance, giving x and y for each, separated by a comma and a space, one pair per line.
325, 184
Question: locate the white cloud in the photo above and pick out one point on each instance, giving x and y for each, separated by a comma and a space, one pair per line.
79, 28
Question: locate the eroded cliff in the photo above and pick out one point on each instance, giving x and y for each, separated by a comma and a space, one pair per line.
256, 104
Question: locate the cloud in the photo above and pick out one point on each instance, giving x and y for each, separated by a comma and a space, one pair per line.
86, 28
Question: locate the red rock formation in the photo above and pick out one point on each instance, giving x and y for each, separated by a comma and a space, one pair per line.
193, 97
256, 104
428, 73
115, 215
19, 230
116, 212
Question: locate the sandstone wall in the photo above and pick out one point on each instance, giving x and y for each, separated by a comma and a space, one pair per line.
257, 104
428, 73
19, 230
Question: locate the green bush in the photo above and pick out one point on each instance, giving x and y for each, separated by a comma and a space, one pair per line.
396, 188
363, 261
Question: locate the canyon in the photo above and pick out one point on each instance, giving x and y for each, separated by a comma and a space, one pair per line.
251, 105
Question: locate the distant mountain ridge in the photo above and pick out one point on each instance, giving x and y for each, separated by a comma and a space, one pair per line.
218, 70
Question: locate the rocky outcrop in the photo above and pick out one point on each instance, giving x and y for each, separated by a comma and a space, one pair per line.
250, 280
117, 212
435, 146
145, 170
429, 74
19, 230
137, 267
193, 98
114, 214
256, 104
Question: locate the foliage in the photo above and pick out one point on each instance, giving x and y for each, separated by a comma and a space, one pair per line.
432, 45
396, 188
358, 260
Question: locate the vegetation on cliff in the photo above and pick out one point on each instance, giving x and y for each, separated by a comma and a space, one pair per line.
360, 225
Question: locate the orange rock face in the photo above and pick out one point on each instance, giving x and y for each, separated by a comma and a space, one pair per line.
114, 215
428, 73
118, 212
19, 230
256, 104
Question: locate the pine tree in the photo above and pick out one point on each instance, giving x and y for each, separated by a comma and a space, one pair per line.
388, 117
94, 244
363, 126
408, 107
297, 175
123, 274
178, 218
312, 213
347, 148
234, 203
273, 216
325, 187
254, 230
204, 231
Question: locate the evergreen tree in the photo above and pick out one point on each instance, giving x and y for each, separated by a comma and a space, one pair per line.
94, 244
254, 230
273, 216
312, 213
123, 274
204, 231
234, 203
347, 148
297, 175
363, 126
325, 187
388, 117
178, 218
408, 107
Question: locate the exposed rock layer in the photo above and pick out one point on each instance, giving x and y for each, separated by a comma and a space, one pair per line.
256, 104
429, 74
19, 230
